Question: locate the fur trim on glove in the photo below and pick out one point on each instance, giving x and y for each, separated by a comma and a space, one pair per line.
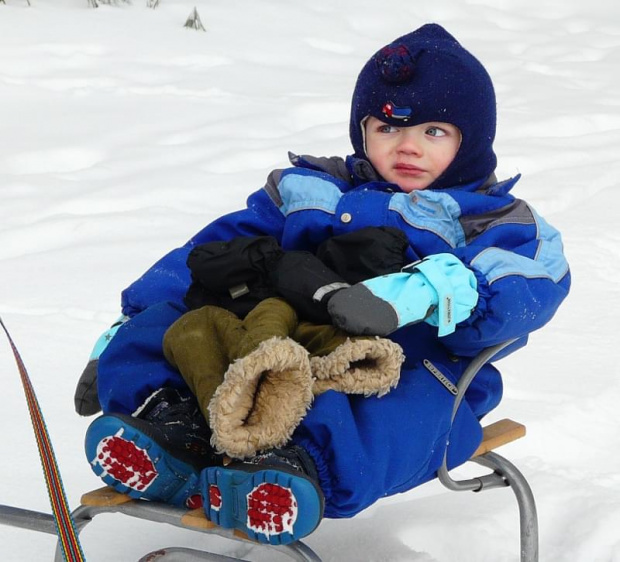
263, 398
360, 366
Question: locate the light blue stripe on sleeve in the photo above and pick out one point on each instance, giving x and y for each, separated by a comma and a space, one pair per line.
433, 211
550, 251
495, 263
300, 192
549, 261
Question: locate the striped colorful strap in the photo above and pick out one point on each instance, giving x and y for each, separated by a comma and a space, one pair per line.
70, 544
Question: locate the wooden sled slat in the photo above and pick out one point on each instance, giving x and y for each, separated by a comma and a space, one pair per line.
193, 519
104, 497
196, 519
499, 433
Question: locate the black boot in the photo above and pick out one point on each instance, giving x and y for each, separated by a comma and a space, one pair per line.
156, 453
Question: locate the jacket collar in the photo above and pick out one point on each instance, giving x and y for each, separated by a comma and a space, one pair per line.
358, 171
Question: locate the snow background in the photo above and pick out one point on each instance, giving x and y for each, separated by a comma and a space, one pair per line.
122, 134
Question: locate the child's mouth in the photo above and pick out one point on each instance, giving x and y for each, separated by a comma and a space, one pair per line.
408, 170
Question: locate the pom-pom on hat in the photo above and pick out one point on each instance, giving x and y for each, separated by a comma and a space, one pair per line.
426, 76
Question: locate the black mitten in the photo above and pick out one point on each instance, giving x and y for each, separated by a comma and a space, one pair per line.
365, 253
306, 284
233, 275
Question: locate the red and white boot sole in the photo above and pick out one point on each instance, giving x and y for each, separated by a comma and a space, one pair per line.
133, 463
270, 506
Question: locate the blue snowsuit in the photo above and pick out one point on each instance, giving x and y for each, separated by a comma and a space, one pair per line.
368, 448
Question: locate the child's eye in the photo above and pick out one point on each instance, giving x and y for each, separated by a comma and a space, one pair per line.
436, 132
387, 129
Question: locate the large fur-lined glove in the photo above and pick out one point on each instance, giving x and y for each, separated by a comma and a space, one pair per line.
256, 378
439, 290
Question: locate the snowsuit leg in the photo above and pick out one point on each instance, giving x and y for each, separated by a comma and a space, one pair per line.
368, 448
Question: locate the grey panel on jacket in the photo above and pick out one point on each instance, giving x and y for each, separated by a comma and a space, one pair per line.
516, 212
333, 165
271, 187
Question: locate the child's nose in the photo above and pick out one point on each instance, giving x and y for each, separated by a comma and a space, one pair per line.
409, 144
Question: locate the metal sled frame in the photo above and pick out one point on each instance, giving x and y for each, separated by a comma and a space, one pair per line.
504, 474
106, 500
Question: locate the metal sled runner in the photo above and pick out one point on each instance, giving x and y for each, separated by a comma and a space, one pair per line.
106, 500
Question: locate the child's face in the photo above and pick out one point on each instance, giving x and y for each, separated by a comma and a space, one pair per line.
411, 157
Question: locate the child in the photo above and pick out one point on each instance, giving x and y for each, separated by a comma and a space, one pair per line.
485, 268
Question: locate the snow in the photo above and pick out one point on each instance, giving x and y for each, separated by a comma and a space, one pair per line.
122, 133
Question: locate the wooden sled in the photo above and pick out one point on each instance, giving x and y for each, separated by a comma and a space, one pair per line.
106, 500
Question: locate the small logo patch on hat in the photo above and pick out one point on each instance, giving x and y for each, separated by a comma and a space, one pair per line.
395, 112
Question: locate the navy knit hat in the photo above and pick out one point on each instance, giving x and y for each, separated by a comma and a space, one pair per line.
425, 76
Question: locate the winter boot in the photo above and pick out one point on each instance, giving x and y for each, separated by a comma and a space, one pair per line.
273, 498
157, 453
198, 345
255, 384
203, 343
263, 398
353, 365
263, 378
359, 366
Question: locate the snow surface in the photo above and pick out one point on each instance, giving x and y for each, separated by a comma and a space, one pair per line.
122, 133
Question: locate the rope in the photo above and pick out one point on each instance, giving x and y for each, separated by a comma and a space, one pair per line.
65, 527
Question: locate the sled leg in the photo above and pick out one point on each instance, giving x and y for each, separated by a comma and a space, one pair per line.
106, 500
185, 555
178, 554
27, 519
33, 521
525, 498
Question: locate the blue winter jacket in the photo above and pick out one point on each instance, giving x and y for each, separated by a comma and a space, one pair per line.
368, 448
516, 255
